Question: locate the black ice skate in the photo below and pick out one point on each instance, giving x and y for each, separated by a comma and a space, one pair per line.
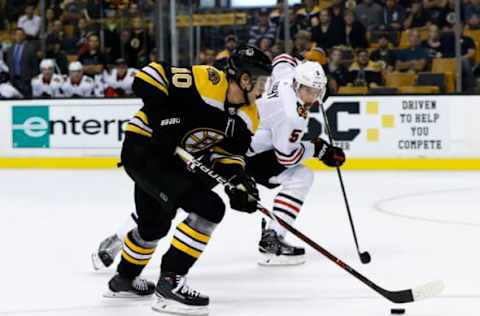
106, 253
275, 251
121, 287
174, 296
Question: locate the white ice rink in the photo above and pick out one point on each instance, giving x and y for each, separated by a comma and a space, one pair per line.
418, 227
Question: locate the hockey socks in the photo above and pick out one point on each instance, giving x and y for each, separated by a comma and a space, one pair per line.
136, 254
286, 207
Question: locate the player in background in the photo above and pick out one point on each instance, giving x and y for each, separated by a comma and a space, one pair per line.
277, 151
77, 85
47, 84
208, 113
118, 83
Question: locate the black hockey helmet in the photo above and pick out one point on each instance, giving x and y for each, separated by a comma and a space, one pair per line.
248, 59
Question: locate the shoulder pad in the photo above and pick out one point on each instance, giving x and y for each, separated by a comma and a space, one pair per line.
249, 114
211, 84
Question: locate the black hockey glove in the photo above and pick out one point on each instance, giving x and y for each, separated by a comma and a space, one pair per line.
330, 155
244, 187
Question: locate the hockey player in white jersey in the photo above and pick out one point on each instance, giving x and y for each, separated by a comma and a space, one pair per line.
47, 84
119, 81
277, 150
274, 159
77, 85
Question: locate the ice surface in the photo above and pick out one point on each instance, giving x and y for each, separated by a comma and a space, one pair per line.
418, 227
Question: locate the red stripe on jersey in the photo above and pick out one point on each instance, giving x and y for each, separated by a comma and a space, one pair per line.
285, 56
289, 205
291, 161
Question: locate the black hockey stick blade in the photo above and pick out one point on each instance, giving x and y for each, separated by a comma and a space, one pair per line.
404, 296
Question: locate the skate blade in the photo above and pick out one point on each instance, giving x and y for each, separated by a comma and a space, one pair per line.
271, 260
97, 264
126, 295
163, 305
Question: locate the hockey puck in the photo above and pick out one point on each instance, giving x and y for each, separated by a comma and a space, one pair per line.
397, 311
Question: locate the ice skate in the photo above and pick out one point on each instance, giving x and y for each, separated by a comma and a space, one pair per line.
106, 253
275, 251
121, 287
172, 295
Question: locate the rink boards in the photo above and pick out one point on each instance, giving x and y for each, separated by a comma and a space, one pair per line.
429, 132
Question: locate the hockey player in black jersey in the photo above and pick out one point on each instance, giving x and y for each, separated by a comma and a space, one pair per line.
208, 113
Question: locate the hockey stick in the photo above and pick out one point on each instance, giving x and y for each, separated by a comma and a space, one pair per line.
404, 296
364, 256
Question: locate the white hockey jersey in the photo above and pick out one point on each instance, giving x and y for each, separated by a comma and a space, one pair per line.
84, 89
52, 89
7, 91
282, 122
113, 81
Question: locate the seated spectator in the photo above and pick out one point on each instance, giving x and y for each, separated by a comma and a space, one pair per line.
336, 72
364, 72
139, 44
370, 14
47, 84
230, 45
472, 14
302, 43
393, 16
325, 34
383, 54
414, 58
437, 11
93, 60
308, 16
30, 22
77, 85
416, 16
355, 34
263, 28
7, 90
265, 45
434, 45
118, 83
22, 61
57, 35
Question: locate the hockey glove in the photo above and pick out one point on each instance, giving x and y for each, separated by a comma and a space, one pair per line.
332, 156
244, 195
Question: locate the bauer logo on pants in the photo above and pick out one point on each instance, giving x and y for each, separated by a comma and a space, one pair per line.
30, 127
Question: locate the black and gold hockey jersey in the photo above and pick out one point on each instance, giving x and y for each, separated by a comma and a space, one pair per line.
186, 106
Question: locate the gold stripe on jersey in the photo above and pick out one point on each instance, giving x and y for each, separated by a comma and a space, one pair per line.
211, 84
142, 116
137, 130
193, 233
161, 71
149, 79
249, 114
186, 249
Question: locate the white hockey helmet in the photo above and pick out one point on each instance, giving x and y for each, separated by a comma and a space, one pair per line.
47, 63
75, 66
310, 74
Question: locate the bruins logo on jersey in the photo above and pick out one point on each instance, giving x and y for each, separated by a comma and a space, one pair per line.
201, 138
213, 76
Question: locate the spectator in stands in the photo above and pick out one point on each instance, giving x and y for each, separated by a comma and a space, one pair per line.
93, 61
30, 22
337, 14
111, 35
208, 57
230, 44
416, 15
50, 18
47, 84
263, 28
57, 35
54, 51
22, 62
153, 56
433, 43
472, 14
325, 34
383, 54
139, 43
364, 72
436, 12
73, 10
265, 45
277, 17
302, 43
7, 90
355, 34
81, 35
393, 16
336, 71
118, 83
414, 58
308, 16
77, 85
369, 13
